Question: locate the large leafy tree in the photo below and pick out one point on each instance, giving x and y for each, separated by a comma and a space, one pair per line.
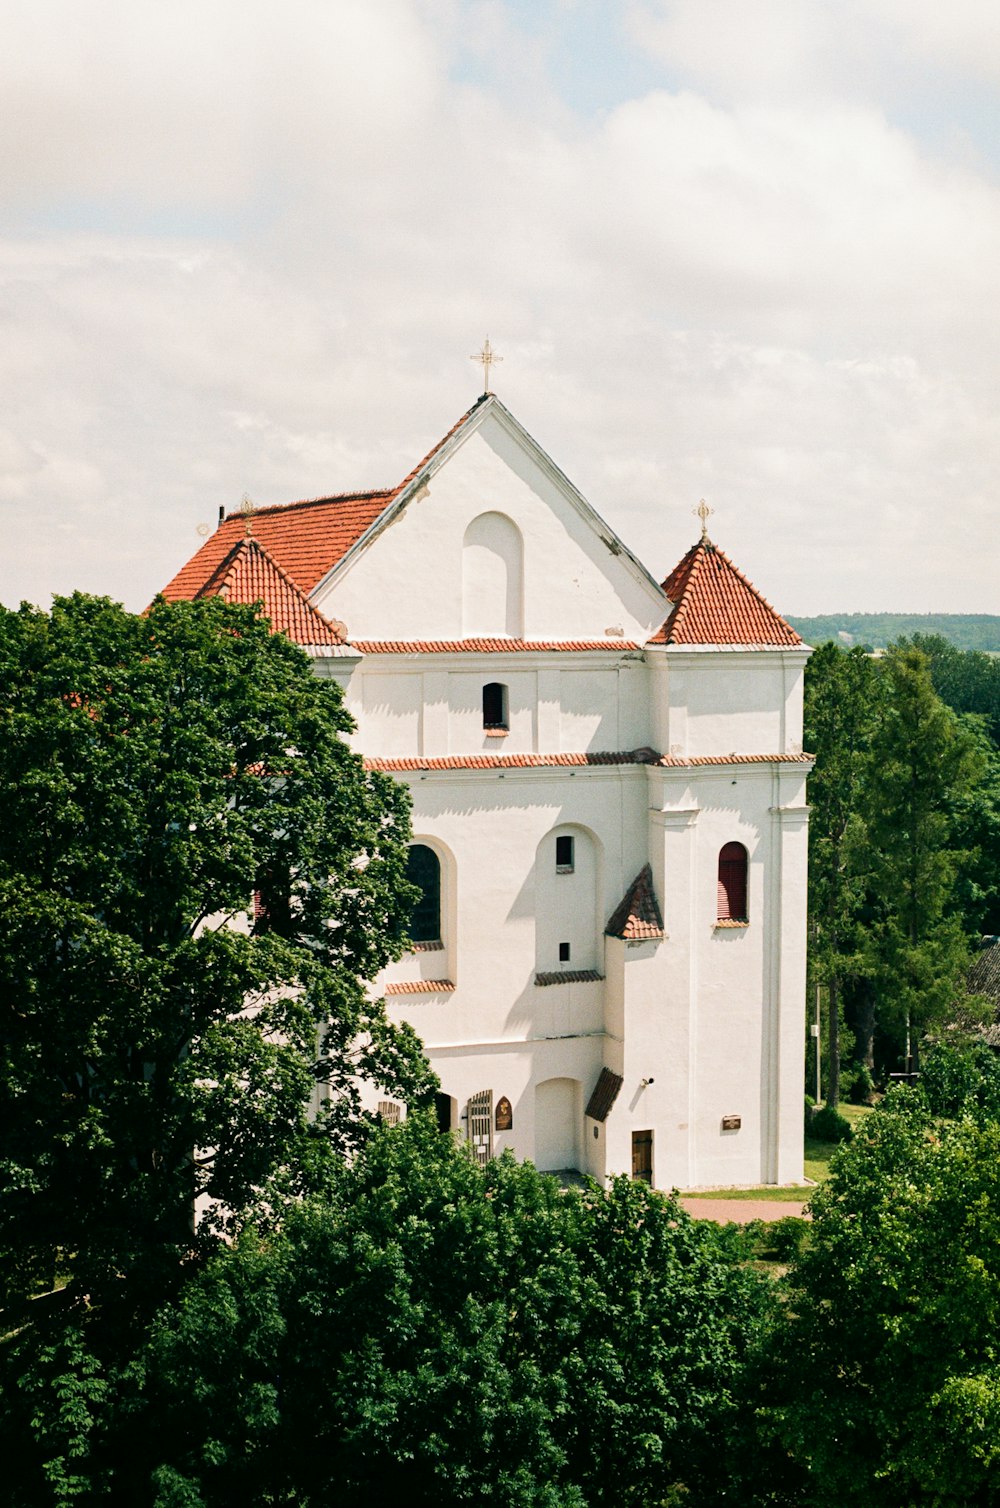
448, 1333
160, 1036
885, 1381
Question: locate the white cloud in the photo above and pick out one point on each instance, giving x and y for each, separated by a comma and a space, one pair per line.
768, 296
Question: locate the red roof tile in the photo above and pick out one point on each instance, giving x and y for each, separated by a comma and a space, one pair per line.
638, 915
420, 987
484, 646
507, 761
306, 539
490, 761
681, 761
248, 574
714, 603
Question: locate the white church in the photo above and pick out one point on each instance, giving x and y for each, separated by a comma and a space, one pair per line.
609, 812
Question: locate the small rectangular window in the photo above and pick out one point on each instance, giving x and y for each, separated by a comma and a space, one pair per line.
564, 854
495, 708
564, 952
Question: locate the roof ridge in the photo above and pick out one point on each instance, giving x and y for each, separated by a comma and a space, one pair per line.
411, 475
315, 502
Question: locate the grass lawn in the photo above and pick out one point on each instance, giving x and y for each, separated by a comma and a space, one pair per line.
816, 1167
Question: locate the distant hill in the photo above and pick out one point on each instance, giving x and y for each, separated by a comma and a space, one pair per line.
964, 630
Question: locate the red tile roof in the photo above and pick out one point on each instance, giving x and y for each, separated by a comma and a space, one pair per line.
490, 761
420, 987
638, 915
714, 603
681, 761
306, 538
507, 761
484, 646
249, 574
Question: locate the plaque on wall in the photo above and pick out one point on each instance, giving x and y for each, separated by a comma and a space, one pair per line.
505, 1115
731, 1122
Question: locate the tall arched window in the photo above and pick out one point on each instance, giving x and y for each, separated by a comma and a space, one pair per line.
423, 869
492, 578
732, 883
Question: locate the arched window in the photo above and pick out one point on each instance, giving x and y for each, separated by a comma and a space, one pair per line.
423, 869
495, 708
492, 578
732, 883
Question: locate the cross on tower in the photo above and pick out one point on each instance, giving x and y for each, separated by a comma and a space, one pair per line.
488, 357
704, 512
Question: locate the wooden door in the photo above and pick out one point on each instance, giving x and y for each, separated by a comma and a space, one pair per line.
642, 1156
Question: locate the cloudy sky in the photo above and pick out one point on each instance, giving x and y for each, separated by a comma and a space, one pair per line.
739, 249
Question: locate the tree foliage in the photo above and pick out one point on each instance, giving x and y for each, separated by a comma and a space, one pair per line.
897, 885
885, 1379
158, 1046
840, 720
924, 761
449, 1333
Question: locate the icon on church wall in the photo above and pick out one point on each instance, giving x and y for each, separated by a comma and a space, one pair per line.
505, 1115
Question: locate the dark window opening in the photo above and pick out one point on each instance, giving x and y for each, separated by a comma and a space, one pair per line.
495, 707
732, 889
564, 854
442, 1111
272, 903
423, 869
564, 952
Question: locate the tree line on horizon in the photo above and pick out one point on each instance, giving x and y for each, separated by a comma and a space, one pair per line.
977, 631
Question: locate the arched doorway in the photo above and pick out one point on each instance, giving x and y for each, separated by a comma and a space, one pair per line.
557, 1118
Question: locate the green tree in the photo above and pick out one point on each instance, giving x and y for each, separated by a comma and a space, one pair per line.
923, 762
967, 679
448, 1333
884, 1382
159, 1042
841, 702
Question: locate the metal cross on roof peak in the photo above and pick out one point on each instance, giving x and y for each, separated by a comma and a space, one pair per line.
704, 512
248, 509
488, 357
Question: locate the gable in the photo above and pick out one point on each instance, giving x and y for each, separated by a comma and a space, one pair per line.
491, 539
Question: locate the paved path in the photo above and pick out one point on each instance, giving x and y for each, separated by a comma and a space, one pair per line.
742, 1211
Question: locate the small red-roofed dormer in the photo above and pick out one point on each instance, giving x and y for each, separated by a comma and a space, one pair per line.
249, 575
714, 603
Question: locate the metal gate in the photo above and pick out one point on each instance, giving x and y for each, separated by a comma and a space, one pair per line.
480, 1112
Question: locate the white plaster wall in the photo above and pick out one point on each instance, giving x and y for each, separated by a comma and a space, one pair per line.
569, 908
392, 704
407, 583
412, 704
465, 733
728, 701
